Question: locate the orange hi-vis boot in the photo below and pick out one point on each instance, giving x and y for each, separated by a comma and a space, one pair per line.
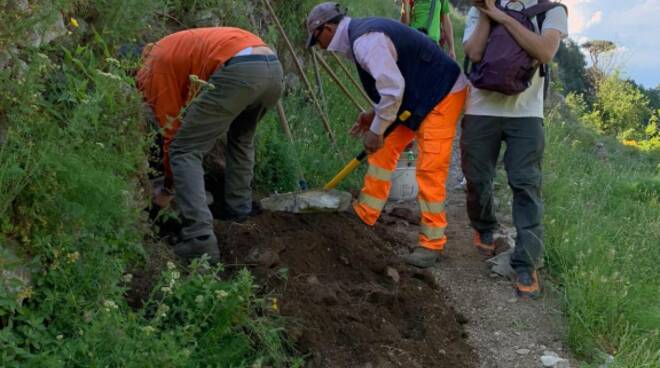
434, 138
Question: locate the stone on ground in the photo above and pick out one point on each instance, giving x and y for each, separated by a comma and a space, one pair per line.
501, 263
310, 201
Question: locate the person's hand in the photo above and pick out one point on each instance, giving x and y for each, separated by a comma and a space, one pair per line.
492, 11
452, 54
362, 123
162, 197
372, 141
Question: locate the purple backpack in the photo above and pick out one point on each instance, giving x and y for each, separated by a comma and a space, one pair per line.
506, 67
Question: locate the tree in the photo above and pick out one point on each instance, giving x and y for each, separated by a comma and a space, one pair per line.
572, 70
596, 49
621, 106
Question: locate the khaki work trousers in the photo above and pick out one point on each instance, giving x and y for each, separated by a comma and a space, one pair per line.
242, 92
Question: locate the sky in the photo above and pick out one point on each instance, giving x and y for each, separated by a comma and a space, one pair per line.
633, 25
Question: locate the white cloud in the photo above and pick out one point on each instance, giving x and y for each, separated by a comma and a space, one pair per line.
595, 19
579, 15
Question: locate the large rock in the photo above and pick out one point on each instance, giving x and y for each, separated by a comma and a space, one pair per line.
15, 277
46, 31
306, 202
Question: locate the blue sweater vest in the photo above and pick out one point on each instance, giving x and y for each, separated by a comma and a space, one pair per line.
429, 73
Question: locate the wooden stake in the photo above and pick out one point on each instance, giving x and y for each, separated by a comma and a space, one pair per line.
319, 81
350, 76
284, 123
326, 123
341, 85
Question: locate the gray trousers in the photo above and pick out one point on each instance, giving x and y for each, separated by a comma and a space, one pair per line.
243, 91
481, 140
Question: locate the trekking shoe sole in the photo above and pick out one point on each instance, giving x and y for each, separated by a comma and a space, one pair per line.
417, 262
529, 291
486, 250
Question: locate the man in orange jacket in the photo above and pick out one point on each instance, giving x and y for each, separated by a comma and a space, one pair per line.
404, 73
241, 78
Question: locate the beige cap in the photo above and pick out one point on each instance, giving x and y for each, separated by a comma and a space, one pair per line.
321, 14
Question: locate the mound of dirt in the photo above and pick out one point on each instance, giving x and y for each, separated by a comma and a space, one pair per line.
348, 299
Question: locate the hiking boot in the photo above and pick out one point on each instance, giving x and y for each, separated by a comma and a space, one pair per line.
229, 215
527, 285
422, 257
197, 247
484, 243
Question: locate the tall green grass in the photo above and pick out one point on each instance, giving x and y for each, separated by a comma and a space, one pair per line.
71, 207
602, 235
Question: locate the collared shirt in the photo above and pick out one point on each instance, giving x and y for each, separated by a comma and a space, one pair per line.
376, 54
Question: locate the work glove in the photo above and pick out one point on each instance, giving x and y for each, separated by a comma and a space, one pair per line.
362, 124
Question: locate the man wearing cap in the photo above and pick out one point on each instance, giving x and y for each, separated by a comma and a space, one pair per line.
242, 79
409, 78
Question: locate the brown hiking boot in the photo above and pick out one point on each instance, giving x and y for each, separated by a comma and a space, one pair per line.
527, 285
484, 243
422, 257
197, 247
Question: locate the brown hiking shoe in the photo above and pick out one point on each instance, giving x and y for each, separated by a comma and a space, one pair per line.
422, 257
527, 285
484, 243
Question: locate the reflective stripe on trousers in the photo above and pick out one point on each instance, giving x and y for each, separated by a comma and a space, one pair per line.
434, 139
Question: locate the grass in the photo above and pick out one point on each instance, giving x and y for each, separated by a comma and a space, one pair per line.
602, 231
71, 206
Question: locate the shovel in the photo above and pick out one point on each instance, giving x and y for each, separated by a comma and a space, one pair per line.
326, 200
354, 163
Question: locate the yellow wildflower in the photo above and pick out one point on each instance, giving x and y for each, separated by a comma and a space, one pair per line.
74, 22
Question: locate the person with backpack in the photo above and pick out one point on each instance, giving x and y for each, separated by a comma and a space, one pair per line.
432, 18
509, 42
418, 92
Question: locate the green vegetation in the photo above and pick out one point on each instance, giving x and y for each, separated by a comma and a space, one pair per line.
72, 166
602, 232
72, 169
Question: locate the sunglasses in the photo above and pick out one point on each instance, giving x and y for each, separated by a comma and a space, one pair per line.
317, 33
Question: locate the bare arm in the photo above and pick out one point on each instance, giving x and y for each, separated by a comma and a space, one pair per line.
474, 47
448, 31
541, 47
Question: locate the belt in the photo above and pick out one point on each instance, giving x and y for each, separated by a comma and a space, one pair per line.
250, 58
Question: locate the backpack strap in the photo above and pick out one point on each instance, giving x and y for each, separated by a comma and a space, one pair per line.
431, 14
542, 7
539, 11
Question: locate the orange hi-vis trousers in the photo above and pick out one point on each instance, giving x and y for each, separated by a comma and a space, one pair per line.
434, 139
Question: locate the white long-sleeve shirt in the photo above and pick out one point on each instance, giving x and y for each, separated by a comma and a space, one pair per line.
376, 54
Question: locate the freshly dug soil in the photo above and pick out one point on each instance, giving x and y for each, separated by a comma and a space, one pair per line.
348, 299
